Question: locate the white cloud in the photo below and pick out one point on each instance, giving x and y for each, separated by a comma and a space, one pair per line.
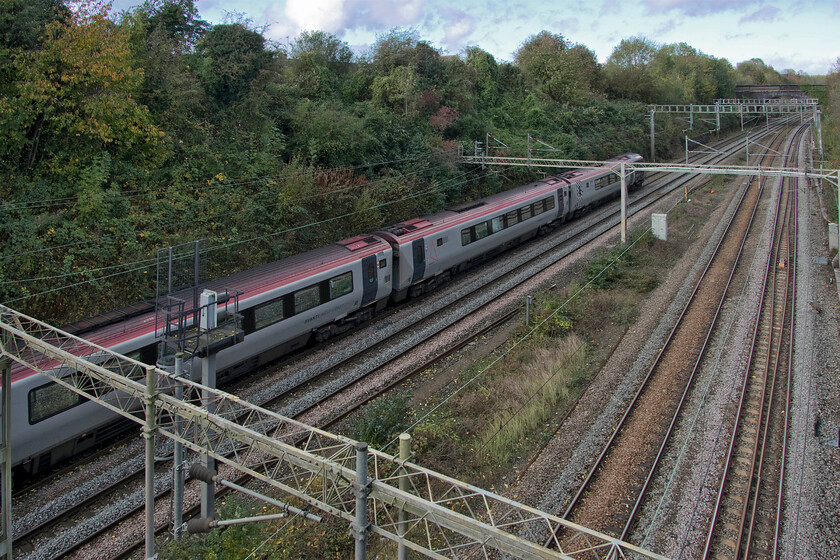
765, 14
695, 7
334, 16
457, 27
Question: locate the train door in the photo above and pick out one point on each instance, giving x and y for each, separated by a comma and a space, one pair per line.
418, 255
370, 284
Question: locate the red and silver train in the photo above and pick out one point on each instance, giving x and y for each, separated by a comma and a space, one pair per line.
287, 304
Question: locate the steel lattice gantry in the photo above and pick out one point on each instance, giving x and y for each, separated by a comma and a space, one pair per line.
805, 108
446, 517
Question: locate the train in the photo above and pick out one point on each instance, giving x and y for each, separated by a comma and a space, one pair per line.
308, 298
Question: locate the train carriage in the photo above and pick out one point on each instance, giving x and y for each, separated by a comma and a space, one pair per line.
283, 305
431, 249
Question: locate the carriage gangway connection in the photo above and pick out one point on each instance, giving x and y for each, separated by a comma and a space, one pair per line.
830, 175
422, 510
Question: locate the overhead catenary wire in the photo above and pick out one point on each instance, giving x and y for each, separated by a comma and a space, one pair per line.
247, 209
148, 263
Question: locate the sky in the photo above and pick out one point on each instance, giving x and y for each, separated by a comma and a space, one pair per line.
803, 35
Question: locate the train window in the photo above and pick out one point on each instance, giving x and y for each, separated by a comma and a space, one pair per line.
525, 213
439, 242
371, 274
51, 399
549, 203
538, 207
481, 231
383, 263
496, 224
466, 237
343, 284
307, 298
512, 218
269, 313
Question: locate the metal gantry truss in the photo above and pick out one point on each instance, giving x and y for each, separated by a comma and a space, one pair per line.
443, 517
805, 108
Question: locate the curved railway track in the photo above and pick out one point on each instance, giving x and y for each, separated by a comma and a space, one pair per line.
615, 486
550, 256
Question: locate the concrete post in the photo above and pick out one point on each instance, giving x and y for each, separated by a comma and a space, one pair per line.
149, 429
6, 460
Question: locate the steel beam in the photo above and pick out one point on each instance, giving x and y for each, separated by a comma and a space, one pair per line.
448, 518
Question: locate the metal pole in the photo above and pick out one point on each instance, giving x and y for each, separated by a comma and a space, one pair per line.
691, 117
207, 322
6, 459
748, 150
686, 150
741, 109
529, 150
149, 434
624, 205
405, 455
652, 136
717, 115
208, 379
359, 528
528, 311
178, 460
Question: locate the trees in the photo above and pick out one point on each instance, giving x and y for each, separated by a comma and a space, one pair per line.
566, 73
72, 100
627, 71
230, 56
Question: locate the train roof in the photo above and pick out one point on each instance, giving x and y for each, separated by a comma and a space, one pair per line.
116, 327
418, 228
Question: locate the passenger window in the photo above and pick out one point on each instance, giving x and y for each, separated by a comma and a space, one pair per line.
343, 285
538, 207
496, 224
525, 213
481, 231
51, 399
307, 298
269, 313
440, 242
549, 203
419, 256
466, 237
383, 263
512, 218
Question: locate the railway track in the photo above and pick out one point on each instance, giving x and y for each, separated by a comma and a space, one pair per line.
480, 286
747, 511
614, 489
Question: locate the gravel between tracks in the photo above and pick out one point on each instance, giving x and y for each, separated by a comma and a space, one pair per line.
674, 522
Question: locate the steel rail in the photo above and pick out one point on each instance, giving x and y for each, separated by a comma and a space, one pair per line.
86, 502
637, 396
770, 277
